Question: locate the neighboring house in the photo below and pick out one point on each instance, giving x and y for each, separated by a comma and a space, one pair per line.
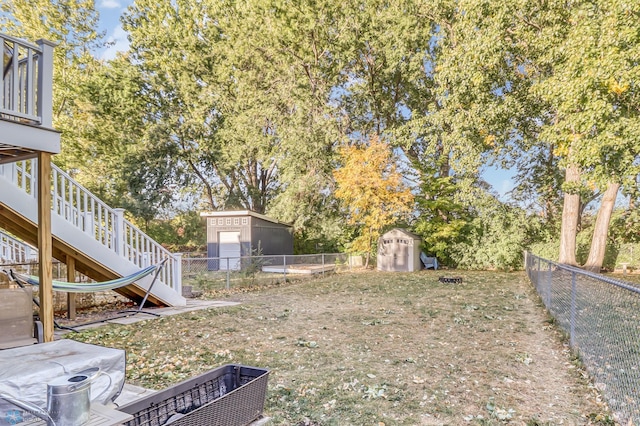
234, 234
399, 251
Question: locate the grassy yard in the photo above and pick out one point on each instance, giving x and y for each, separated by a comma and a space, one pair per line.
378, 349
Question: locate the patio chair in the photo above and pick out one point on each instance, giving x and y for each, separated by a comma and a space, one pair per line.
429, 262
16, 317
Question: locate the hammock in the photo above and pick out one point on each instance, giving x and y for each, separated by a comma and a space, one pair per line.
22, 280
88, 287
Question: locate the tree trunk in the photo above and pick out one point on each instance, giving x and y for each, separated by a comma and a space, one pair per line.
366, 262
599, 240
549, 200
570, 218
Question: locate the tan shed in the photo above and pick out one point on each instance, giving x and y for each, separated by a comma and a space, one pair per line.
399, 251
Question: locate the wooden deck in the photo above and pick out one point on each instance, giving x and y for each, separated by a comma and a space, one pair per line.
299, 269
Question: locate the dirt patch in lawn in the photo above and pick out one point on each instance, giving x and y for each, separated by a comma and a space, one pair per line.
379, 349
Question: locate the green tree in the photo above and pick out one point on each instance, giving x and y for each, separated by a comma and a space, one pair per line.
551, 74
538, 184
98, 106
443, 217
597, 107
372, 192
112, 141
72, 24
282, 62
495, 237
174, 47
234, 95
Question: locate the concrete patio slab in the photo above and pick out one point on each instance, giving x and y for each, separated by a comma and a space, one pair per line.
149, 314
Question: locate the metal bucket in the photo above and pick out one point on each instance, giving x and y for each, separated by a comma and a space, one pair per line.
69, 398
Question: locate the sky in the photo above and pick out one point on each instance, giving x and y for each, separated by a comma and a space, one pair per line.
500, 179
110, 12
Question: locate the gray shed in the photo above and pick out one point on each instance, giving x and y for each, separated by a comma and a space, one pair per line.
399, 251
233, 234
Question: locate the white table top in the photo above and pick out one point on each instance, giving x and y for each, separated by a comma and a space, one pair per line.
25, 372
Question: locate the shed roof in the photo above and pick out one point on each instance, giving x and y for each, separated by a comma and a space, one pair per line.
403, 231
228, 213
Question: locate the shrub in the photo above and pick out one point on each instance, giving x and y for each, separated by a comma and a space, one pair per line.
497, 239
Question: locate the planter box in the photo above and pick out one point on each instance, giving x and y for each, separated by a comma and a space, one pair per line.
231, 395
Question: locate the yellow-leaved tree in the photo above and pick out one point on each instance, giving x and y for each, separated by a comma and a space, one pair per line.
372, 192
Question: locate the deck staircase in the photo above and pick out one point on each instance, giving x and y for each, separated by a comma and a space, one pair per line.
103, 244
14, 251
97, 239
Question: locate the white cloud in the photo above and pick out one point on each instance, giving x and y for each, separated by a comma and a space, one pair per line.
110, 4
119, 41
506, 186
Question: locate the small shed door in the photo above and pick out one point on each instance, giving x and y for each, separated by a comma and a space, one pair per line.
401, 257
229, 243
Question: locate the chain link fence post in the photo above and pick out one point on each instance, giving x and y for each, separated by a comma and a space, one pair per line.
549, 286
284, 267
572, 322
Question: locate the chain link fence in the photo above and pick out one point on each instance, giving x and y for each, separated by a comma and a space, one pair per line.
59, 269
212, 274
223, 273
602, 319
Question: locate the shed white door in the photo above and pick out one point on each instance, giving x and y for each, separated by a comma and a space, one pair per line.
229, 243
401, 256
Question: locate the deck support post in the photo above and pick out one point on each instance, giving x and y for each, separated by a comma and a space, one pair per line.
45, 245
71, 297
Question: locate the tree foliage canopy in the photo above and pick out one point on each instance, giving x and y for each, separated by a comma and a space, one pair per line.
264, 104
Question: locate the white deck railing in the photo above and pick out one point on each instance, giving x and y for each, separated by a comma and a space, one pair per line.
15, 251
25, 81
106, 225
